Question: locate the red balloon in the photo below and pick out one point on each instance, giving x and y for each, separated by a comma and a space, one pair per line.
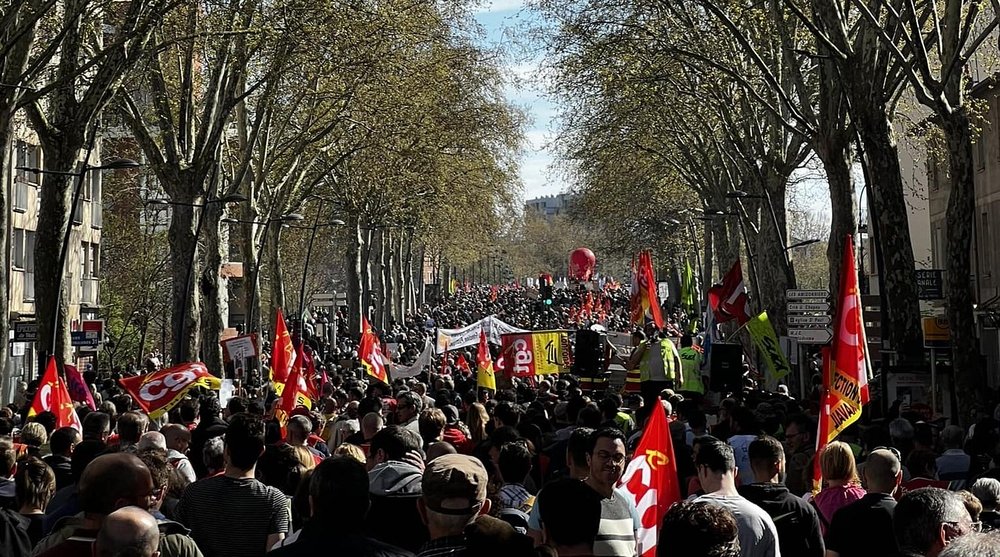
581, 264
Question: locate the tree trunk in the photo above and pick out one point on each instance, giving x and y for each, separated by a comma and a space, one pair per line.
411, 299
61, 154
398, 281
250, 252
6, 170
367, 245
355, 294
276, 273
966, 359
775, 275
214, 293
902, 323
836, 159
386, 278
184, 297
421, 286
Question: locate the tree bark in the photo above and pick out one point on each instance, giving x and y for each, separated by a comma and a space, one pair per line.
836, 158
61, 154
775, 275
890, 220
411, 299
184, 296
398, 280
213, 290
968, 369
367, 244
276, 273
355, 292
6, 171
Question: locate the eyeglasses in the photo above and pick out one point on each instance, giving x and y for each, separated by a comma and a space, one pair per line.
616, 458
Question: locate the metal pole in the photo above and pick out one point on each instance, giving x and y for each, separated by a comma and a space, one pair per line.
256, 279
305, 268
933, 382
753, 262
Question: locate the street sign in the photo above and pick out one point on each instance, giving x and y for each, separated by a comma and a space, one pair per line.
796, 294
91, 335
930, 284
808, 321
25, 331
809, 307
937, 332
811, 336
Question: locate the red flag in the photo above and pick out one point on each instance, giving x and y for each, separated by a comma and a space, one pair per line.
77, 387
645, 298
462, 364
293, 394
52, 396
370, 353
156, 393
282, 351
846, 365
729, 299
651, 478
484, 365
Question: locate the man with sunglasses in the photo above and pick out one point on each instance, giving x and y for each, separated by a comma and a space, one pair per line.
619, 517
927, 520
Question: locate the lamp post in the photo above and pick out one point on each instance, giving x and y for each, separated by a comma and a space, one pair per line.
113, 163
290, 217
179, 345
305, 268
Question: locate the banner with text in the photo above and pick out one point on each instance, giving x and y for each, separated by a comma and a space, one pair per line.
536, 353
156, 393
762, 333
453, 339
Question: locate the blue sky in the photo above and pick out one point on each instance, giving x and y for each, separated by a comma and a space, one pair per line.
503, 20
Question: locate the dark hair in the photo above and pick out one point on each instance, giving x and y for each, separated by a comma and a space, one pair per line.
411, 399
96, 425
508, 413
590, 416
189, 409
702, 529
244, 439
514, 462
8, 456
209, 407
339, 489
919, 515
431, 423
716, 455
236, 405
48, 421
62, 440
765, 450
395, 441
579, 445
686, 340
84, 453
605, 432
570, 511
746, 419
34, 483
279, 467
131, 426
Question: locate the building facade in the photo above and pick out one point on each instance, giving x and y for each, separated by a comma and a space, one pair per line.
549, 205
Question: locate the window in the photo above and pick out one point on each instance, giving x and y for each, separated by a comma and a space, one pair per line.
96, 205
27, 156
985, 246
78, 212
95, 260
17, 248
20, 204
29, 265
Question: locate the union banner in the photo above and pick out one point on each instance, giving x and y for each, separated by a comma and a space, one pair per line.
536, 353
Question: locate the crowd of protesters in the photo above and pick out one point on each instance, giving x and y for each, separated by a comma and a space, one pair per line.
435, 466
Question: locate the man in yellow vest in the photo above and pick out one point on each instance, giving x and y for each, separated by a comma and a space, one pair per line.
659, 365
692, 386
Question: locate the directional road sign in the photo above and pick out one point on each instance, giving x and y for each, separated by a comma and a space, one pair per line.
808, 321
811, 336
821, 307
807, 294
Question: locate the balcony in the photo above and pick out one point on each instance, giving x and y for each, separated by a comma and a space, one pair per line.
90, 290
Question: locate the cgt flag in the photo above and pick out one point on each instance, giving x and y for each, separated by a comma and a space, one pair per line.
156, 393
846, 366
52, 396
651, 479
370, 353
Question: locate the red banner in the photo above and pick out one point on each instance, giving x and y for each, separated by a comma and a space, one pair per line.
156, 393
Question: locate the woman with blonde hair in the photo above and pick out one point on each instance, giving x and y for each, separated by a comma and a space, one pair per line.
351, 450
477, 420
840, 474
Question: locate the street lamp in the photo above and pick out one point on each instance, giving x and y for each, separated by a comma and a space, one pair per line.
231, 198
290, 217
112, 163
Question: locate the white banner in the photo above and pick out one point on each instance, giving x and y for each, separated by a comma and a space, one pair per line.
423, 360
453, 339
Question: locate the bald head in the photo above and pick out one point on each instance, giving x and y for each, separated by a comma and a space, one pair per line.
882, 471
177, 436
113, 481
128, 532
371, 424
152, 440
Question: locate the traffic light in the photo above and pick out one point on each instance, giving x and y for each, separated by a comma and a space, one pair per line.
545, 289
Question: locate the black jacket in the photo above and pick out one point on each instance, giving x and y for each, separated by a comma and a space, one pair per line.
322, 540
207, 429
797, 523
61, 466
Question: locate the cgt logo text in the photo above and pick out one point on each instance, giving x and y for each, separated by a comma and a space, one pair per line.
159, 388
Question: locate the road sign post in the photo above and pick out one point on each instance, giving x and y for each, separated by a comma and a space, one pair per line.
809, 316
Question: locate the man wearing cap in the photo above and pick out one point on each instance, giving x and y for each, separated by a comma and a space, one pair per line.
454, 494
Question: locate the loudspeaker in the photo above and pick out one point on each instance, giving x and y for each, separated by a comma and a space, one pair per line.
588, 357
726, 368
